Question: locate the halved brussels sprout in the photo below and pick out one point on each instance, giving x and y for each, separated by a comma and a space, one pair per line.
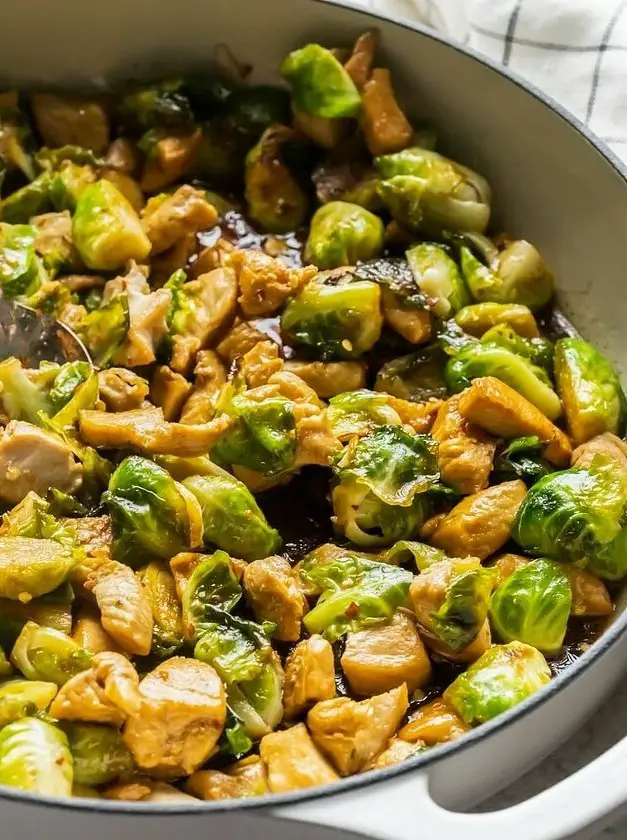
359, 412
539, 350
41, 653
212, 584
343, 234
243, 657
477, 318
67, 380
232, 518
23, 698
334, 322
150, 511
500, 679
104, 330
19, 265
517, 275
159, 586
533, 606
106, 230
67, 184
578, 516
320, 84
417, 377
31, 567
437, 275
34, 756
160, 105
99, 753
594, 401
478, 359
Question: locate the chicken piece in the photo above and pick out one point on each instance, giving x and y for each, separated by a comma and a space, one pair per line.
168, 391
315, 442
293, 761
590, 595
607, 445
260, 363
182, 565
121, 389
241, 338
82, 282
465, 452
244, 778
107, 692
213, 256
385, 126
33, 459
89, 633
292, 387
127, 186
93, 533
209, 377
146, 430
309, 676
330, 378
175, 258
125, 610
503, 412
507, 564
435, 723
385, 656
359, 65
215, 296
420, 417
128, 791
167, 219
480, 524
352, 733
470, 653
54, 238
163, 793
414, 325
396, 751
266, 283
122, 155
170, 159
275, 596
182, 716
64, 120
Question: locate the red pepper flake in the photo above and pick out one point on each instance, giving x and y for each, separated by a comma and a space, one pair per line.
352, 610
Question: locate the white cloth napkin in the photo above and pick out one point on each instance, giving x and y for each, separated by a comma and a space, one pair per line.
574, 50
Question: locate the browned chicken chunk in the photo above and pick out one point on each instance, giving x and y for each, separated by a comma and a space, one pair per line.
274, 594
64, 120
465, 452
293, 761
266, 283
170, 159
606, 445
385, 126
89, 633
329, 378
121, 389
590, 595
209, 377
167, 219
396, 751
435, 723
168, 391
309, 675
244, 778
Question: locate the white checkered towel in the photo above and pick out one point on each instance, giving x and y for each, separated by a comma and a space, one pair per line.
574, 50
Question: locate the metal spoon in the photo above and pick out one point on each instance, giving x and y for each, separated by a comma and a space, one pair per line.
34, 337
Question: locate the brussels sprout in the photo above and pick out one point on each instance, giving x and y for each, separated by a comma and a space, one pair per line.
19, 266
160, 105
104, 330
85, 396
42, 653
428, 192
437, 275
106, 230
502, 677
274, 198
23, 698
594, 401
149, 510
538, 350
532, 606
417, 377
32, 518
578, 516
477, 318
52, 159
517, 275
334, 321
16, 141
320, 84
243, 657
342, 234
67, 184
522, 458
381, 481
263, 437
159, 586
67, 380
212, 583
31, 567
30, 200
98, 752
234, 742
359, 412
356, 593
21, 397
479, 359
232, 519
34, 756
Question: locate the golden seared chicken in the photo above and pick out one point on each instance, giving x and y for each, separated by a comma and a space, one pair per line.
274, 594
65, 120
465, 451
260, 363
247, 777
396, 751
89, 633
209, 377
183, 710
435, 723
329, 378
171, 158
169, 391
590, 596
167, 218
121, 389
293, 761
266, 283
606, 445
309, 676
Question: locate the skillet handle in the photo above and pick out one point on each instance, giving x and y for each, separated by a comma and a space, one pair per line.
403, 809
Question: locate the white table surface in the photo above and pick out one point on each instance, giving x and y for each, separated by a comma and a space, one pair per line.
603, 730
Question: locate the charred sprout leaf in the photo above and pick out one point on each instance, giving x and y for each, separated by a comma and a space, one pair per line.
334, 322
462, 614
212, 584
42, 653
160, 105
242, 655
159, 586
23, 698
481, 359
500, 679
452, 338
594, 401
34, 756
232, 519
19, 266
578, 516
522, 458
320, 84
104, 330
30, 200
98, 752
343, 234
533, 605
394, 274
437, 276
417, 377
149, 511
538, 350
106, 230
